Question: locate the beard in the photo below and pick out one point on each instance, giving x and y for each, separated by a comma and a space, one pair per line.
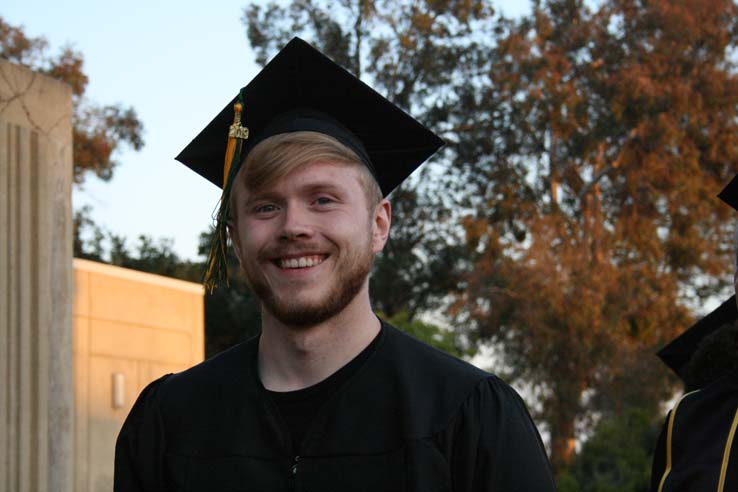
351, 274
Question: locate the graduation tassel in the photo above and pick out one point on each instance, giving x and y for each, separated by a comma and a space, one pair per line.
217, 271
236, 135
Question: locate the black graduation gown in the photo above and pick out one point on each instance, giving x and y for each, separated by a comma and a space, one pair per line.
698, 447
410, 419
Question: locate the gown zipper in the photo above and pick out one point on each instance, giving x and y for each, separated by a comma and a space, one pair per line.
293, 473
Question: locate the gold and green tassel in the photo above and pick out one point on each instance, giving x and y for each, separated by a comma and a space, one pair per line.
217, 271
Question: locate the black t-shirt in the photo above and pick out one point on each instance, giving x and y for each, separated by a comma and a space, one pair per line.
298, 408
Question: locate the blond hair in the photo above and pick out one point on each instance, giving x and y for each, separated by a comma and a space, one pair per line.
279, 155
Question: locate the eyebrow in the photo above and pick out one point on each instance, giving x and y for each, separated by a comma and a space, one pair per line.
317, 186
323, 186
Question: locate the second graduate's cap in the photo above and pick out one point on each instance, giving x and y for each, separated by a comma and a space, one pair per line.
678, 353
301, 89
730, 193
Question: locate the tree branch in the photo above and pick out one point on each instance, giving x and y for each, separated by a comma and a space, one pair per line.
600, 174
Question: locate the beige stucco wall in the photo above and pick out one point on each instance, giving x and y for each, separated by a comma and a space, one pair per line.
131, 323
36, 396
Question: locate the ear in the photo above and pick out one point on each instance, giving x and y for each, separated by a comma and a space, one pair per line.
235, 241
381, 221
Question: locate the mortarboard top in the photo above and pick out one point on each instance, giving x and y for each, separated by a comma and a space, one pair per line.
730, 193
302, 89
678, 353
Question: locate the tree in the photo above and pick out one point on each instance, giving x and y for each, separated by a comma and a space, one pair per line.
98, 131
88, 237
617, 457
599, 228
92, 242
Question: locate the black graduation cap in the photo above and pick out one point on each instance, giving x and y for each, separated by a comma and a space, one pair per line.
302, 89
730, 193
678, 353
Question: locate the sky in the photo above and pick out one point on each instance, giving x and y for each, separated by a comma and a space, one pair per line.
177, 63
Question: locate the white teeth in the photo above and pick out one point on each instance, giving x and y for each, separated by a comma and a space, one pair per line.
303, 262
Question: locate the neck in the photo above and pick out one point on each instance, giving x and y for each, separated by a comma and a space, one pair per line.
293, 358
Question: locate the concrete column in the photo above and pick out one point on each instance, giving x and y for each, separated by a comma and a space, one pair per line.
36, 364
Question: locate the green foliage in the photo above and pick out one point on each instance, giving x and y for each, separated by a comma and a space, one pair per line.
88, 237
440, 338
92, 242
616, 458
98, 131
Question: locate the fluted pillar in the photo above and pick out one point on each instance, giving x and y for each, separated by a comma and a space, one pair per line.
36, 365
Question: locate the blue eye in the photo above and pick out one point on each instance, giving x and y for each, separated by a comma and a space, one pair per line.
323, 200
265, 209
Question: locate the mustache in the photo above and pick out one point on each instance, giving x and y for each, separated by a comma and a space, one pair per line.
295, 249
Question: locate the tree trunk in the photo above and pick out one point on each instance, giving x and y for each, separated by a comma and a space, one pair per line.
562, 443
553, 172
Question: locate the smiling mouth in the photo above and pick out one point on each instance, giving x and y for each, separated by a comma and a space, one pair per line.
300, 262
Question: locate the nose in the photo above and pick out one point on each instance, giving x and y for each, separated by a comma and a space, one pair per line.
295, 224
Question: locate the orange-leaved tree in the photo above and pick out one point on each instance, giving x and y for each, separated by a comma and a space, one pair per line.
596, 228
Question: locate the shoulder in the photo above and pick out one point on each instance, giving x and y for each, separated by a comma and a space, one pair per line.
723, 389
715, 402
727, 384
212, 378
434, 386
496, 405
494, 443
407, 353
478, 421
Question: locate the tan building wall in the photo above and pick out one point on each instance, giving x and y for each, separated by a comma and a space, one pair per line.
129, 329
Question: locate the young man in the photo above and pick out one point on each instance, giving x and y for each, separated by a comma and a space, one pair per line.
328, 397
